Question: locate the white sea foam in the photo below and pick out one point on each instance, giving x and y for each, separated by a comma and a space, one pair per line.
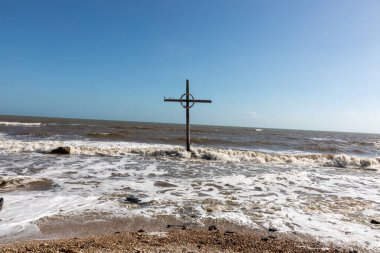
6, 123
323, 202
21, 210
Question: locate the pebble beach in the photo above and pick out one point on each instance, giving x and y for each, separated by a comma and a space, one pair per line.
111, 236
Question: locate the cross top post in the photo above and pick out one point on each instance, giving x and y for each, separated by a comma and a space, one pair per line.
187, 101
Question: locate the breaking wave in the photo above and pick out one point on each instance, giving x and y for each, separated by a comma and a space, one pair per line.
6, 123
359, 143
93, 148
328, 160
14, 183
365, 143
106, 135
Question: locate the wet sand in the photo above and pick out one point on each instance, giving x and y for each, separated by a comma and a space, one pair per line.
164, 234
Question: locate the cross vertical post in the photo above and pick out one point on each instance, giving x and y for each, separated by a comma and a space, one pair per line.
187, 103
187, 117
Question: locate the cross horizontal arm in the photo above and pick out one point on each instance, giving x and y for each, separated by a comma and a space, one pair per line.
202, 101
184, 100
172, 100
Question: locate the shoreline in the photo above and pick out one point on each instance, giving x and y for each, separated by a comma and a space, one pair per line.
164, 234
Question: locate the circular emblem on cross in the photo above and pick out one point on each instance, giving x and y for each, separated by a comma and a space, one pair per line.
187, 101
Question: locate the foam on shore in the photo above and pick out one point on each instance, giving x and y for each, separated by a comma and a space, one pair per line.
295, 192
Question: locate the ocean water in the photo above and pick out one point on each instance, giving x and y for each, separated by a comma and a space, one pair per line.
325, 184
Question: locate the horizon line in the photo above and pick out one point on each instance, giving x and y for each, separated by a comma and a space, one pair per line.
208, 125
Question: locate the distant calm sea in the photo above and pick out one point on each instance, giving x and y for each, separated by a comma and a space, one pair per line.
326, 184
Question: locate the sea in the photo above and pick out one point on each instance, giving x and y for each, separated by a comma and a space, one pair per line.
322, 184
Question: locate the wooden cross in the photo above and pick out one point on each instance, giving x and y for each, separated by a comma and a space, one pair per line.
187, 101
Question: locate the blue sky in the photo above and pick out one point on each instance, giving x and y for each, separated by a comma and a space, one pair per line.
276, 64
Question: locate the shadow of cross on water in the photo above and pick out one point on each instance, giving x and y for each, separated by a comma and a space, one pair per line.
187, 101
